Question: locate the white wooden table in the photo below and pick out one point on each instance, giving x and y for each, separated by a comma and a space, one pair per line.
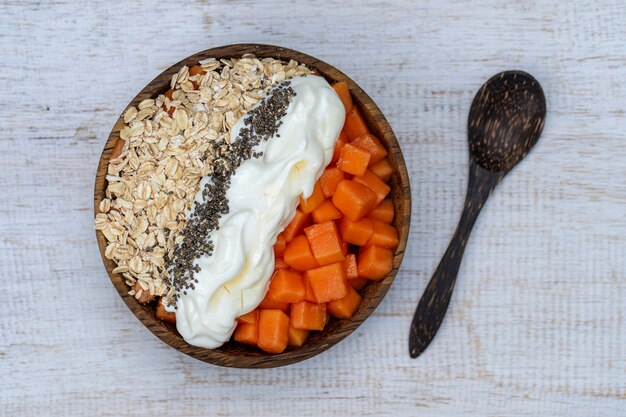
537, 324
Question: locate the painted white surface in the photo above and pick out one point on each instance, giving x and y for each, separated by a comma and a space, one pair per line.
537, 323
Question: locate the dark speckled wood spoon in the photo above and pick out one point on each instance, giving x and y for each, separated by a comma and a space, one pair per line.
505, 121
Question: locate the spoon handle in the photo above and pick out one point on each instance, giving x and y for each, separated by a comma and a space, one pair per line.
434, 302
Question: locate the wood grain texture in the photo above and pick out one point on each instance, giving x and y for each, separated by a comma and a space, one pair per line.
238, 355
537, 323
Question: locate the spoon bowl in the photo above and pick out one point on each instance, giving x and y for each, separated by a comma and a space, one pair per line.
505, 121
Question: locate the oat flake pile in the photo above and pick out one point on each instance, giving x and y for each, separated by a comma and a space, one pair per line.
154, 180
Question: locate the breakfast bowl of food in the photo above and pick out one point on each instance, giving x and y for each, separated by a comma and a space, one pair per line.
252, 206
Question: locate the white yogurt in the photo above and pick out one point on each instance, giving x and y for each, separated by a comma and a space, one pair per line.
263, 197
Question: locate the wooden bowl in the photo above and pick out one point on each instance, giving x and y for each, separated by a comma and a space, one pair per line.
235, 354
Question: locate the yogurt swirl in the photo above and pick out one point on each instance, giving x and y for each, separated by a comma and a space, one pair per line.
263, 196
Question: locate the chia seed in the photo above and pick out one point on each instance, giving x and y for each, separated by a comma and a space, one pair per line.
260, 124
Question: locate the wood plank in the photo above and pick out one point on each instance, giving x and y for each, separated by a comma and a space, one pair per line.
537, 322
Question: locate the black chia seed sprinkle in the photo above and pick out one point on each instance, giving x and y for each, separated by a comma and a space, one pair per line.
260, 124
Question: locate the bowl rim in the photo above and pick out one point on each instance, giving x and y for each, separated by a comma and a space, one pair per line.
376, 121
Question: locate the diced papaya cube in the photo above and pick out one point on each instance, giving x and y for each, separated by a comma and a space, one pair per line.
286, 286
385, 235
325, 242
374, 262
246, 333
279, 263
384, 212
383, 169
170, 95
349, 264
280, 245
315, 199
249, 318
325, 212
270, 302
371, 181
273, 331
353, 159
358, 283
357, 232
342, 90
344, 248
345, 307
328, 282
309, 295
354, 200
297, 224
297, 337
163, 314
119, 147
371, 144
308, 316
298, 254
142, 296
330, 179
354, 125
196, 70
341, 141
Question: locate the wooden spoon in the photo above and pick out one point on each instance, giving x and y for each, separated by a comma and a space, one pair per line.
505, 122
